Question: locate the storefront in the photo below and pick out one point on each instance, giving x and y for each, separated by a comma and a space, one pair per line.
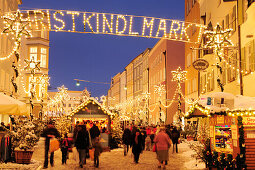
231, 124
92, 112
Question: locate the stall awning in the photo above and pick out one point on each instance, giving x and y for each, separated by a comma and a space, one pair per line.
11, 106
90, 109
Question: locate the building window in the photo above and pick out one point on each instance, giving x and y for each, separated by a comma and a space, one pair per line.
44, 34
188, 60
194, 56
187, 7
69, 105
43, 57
232, 70
227, 21
33, 53
234, 19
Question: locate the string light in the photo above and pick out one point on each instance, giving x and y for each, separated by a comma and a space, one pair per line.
86, 20
105, 21
174, 30
131, 27
184, 31
60, 20
73, 13
117, 24
179, 75
148, 25
162, 21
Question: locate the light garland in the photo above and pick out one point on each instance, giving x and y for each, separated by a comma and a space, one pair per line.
206, 111
97, 22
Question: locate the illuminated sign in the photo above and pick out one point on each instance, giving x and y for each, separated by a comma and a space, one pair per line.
113, 24
248, 121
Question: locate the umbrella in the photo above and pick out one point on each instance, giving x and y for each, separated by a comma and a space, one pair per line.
11, 106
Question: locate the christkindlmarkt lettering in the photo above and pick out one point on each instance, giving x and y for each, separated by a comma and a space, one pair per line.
115, 24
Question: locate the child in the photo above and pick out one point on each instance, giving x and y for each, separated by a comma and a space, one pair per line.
148, 143
64, 149
98, 150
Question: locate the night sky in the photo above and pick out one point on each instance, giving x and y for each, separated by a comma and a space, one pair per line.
99, 57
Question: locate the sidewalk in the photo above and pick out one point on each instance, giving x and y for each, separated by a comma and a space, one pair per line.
115, 160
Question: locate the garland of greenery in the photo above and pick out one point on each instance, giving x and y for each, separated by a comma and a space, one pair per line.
240, 159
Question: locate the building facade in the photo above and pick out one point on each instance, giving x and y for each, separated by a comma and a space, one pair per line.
211, 13
34, 48
164, 57
6, 46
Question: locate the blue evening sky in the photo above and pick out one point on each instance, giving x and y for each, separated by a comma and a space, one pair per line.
99, 57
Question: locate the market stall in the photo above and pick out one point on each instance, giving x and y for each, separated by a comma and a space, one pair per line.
92, 112
231, 124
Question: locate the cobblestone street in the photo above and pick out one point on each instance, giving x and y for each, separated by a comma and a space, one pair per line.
115, 160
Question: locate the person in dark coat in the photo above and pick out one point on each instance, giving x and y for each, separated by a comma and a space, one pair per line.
48, 133
98, 149
175, 138
82, 143
137, 146
94, 132
75, 131
126, 139
64, 148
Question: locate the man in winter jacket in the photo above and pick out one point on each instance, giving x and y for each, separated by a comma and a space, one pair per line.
126, 139
82, 143
48, 133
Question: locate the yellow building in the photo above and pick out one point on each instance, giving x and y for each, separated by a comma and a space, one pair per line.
211, 13
6, 45
34, 48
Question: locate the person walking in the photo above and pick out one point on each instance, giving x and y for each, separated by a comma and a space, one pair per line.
162, 144
64, 148
82, 143
126, 139
94, 132
49, 133
175, 138
137, 146
98, 149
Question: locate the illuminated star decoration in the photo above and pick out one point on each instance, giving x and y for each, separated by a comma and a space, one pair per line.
16, 24
179, 75
218, 39
160, 89
146, 96
32, 65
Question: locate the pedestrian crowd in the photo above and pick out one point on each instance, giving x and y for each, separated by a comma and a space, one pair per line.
156, 139
85, 141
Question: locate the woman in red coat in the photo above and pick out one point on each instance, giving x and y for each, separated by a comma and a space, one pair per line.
163, 143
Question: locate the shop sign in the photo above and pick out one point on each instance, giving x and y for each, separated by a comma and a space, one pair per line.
234, 131
200, 64
220, 120
248, 121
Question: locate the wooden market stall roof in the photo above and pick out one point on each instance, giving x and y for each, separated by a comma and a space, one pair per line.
232, 105
91, 108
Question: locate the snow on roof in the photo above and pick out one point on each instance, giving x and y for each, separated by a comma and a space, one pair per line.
240, 102
244, 103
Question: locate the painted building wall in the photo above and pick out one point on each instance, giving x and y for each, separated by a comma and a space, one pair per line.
164, 57
6, 46
37, 47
